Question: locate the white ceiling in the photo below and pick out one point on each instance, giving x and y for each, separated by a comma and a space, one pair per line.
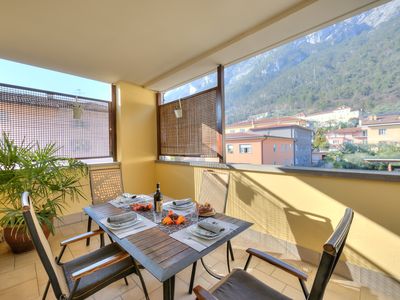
157, 44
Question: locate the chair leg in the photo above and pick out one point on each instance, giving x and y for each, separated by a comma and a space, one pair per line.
192, 277
111, 240
89, 228
102, 240
229, 245
126, 281
227, 258
146, 294
46, 290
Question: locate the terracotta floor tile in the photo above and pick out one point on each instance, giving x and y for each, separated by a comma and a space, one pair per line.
23, 276
27, 290
17, 276
295, 294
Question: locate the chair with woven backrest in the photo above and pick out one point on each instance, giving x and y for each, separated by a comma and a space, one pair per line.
214, 190
105, 184
82, 276
241, 285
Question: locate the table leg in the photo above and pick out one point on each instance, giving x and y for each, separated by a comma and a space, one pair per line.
169, 288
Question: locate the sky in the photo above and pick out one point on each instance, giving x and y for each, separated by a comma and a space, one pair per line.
39, 78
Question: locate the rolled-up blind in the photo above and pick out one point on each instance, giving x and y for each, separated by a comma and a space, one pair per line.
45, 117
195, 134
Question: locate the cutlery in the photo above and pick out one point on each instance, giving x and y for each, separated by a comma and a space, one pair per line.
197, 241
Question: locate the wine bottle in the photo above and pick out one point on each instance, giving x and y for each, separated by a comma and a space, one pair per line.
158, 200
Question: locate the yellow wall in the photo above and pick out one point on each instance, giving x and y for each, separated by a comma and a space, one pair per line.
136, 137
176, 181
392, 134
304, 209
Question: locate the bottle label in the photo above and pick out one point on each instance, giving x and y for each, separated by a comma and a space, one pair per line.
159, 206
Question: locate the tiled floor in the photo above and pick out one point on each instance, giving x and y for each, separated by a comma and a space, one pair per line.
23, 277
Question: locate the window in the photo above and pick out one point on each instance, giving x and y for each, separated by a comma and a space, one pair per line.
193, 136
334, 82
48, 117
245, 148
242, 130
229, 148
194, 87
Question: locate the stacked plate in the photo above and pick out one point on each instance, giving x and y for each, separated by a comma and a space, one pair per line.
203, 233
118, 226
170, 205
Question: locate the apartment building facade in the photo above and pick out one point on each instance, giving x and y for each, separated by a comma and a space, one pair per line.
382, 129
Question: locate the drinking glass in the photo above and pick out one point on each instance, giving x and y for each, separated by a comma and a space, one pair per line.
157, 216
194, 214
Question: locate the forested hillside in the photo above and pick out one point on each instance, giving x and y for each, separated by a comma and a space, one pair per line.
359, 66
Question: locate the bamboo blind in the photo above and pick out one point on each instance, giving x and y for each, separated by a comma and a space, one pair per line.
195, 134
45, 117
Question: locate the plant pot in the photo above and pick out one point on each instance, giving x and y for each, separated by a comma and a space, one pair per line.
19, 241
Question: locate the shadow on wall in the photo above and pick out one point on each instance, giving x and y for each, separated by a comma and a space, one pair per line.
273, 215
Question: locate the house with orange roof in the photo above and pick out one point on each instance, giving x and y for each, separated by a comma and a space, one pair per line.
254, 148
338, 137
384, 128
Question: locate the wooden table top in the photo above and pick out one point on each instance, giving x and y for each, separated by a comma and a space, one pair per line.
160, 254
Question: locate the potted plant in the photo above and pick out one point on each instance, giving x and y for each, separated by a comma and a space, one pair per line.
52, 181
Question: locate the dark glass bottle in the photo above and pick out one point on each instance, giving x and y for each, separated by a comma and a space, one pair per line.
158, 200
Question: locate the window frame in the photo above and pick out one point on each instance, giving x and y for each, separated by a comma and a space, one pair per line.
245, 146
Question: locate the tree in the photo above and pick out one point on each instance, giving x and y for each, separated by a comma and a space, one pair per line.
320, 142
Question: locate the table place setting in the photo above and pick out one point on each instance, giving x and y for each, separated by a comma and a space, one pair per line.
203, 234
126, 224
126, 199
182, 207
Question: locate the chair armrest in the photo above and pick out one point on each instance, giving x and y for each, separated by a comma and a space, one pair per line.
277, 263
203, 294
82, 236
99, 265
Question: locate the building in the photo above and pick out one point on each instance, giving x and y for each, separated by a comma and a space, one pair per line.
252, 124
338, 137
335, 116
302, 140
382, 129
253, 148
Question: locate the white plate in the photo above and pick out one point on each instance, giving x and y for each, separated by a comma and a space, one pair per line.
124, 225
179, 207
204, 234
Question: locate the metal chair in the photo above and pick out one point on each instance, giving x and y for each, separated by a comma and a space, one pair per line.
241, 285
214, 190
105, 184
83, 276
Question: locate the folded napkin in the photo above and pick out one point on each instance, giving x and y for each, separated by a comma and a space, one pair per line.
128, 195
122, 218
212, 226
182, 202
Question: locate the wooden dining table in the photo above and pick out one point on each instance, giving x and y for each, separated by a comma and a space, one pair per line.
160, 254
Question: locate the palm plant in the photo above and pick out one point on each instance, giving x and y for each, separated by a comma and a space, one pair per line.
51, 181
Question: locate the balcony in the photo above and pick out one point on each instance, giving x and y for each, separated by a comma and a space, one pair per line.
294, 210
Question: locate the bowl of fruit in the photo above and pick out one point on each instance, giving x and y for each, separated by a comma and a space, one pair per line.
206, 210
141, 206
173, 219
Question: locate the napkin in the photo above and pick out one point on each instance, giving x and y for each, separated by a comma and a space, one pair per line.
122, 218
182, 202
128, 195
212, 226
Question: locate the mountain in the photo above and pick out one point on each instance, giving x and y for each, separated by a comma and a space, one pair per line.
354, 62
